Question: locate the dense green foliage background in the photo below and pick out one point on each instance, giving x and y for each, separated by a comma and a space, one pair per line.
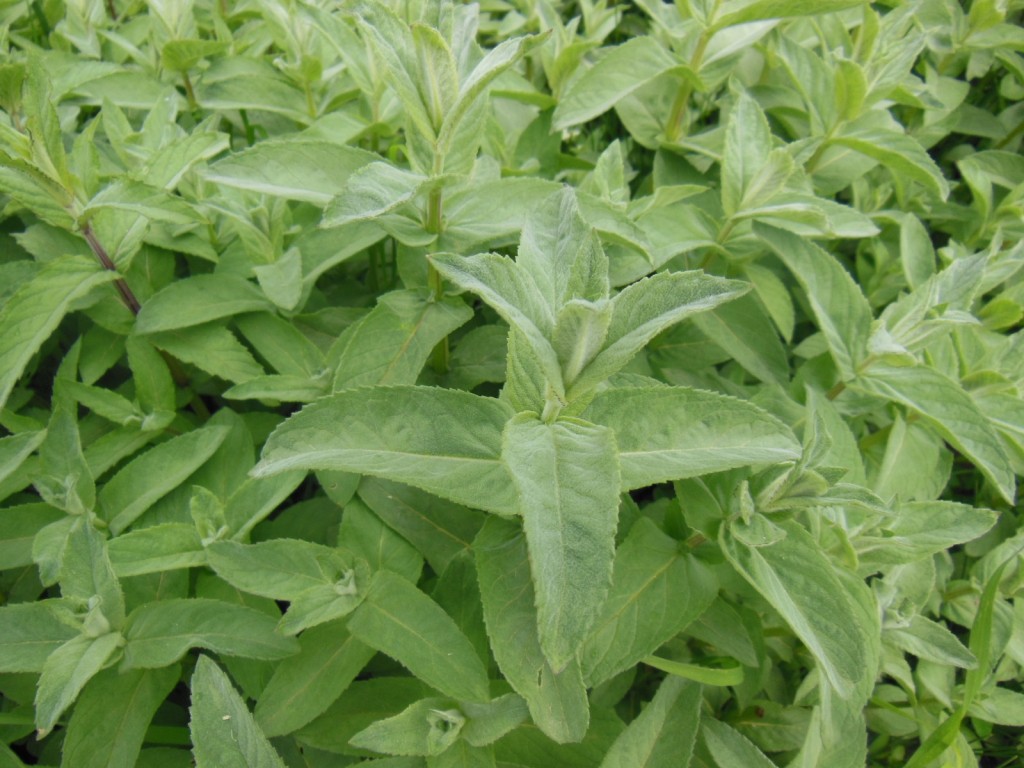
654, 372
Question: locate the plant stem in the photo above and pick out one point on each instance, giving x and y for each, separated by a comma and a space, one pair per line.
440, 357
111, 10
677, 117
434, 209
104, 258
190, 93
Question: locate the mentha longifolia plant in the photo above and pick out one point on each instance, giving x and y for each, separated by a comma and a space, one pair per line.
511, 385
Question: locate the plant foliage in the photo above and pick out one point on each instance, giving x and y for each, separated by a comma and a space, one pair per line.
511, 384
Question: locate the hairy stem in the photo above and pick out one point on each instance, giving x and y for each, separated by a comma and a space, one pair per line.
104, 258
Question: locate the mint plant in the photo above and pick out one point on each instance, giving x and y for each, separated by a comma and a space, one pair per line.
437, 384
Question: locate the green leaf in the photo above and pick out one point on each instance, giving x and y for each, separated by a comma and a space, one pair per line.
157, 548
922, 529
280, 569
438, 528
729, 675
656, 592
745, 332
744, 12
159, 633
794, 576
31, 632
87, 575
283, 345
557, 701
492, 65
372, 191
281, 280
294, 168
748, 143
663, 734
951, 411
66, 672
108, 725
729, 748
43, 123
901, 154
930, 640
182, 55
394, 341
224, 735
35, 310
670, 433
567, 476
154, 474
398, 619
322, 583
646, 308
65, 480
16, 448
621, 71
561, 254
18, 528
366, 535
443, 441
303, 686
154, 387
428, 727
839, 307
513, 293
36, 191
211, 348
199, 299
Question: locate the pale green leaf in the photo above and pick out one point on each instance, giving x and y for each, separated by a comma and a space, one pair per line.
900, 153
840, 309
951, 411
399, 620
513, 293
663, 734
372, 191
108, 725
621, 71
157, 548
794, 576
199, 299
745, 11
494, 63
438, 528
66, 672
35, 310
561, 254
648, 307
443, 441
211, 348
730, 749
303, 686
748, 142
224, 734
159, 633
154, 474
656, 592
930, 640
16, 448
745, 332
557, 701
567, 476
394, 341
670, 433
293, 168
30, 632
